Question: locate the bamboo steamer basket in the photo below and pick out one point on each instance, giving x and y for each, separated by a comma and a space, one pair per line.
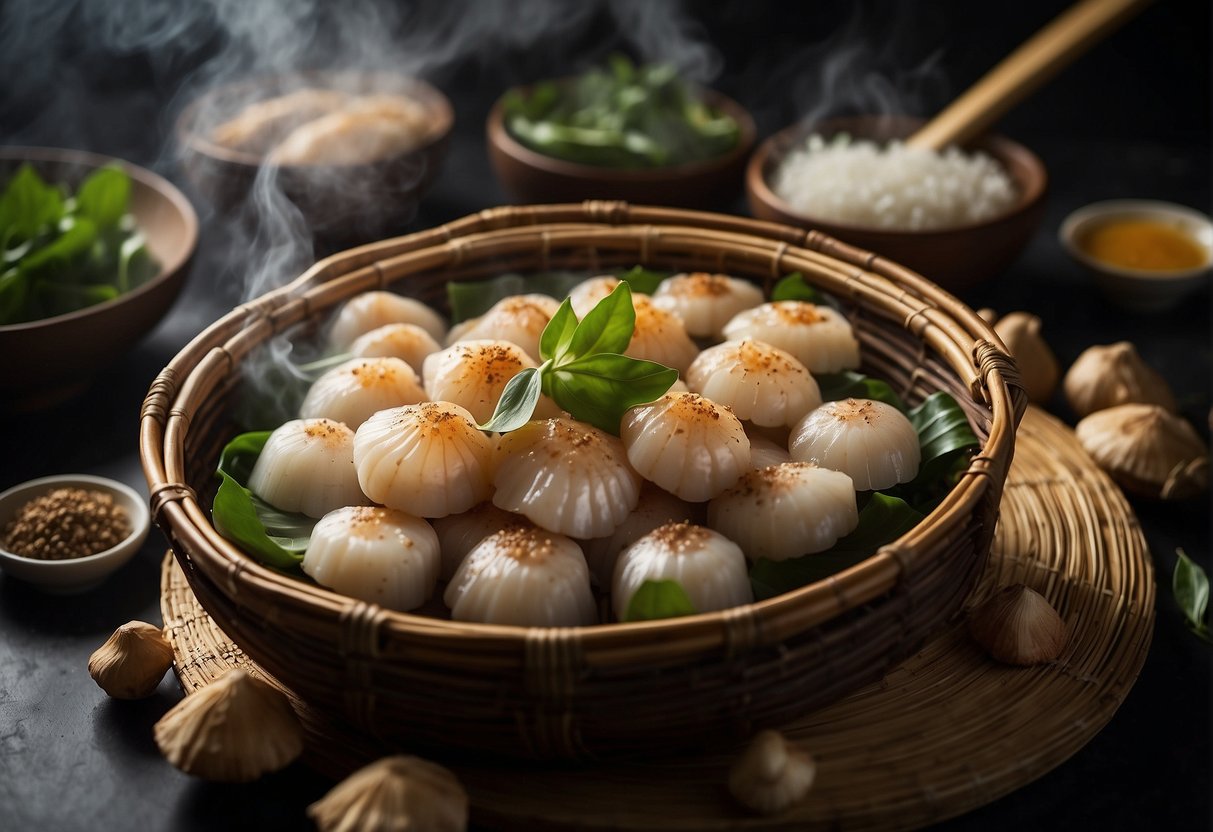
636, 688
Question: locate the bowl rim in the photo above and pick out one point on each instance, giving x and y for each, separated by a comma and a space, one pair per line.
500, 138
140, 517
147, 178
1105, 210
994, 144
429, 96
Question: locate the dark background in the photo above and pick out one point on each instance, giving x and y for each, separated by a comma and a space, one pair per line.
1130, 119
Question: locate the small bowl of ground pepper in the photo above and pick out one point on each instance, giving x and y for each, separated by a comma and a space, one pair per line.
65, 534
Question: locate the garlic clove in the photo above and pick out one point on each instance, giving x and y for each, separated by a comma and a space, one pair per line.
1017, 625
395, 794
771, 774
231, 731
1038, 367
1147, 450
132, 661
1105, 376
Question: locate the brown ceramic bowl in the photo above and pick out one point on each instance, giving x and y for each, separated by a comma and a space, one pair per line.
49, 361
532, 177
342, 204
955, 258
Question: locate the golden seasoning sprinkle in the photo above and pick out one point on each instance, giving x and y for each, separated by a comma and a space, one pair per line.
705, 285
798, 312
372, 373
67, 523
326, 430
524, 543
681, 538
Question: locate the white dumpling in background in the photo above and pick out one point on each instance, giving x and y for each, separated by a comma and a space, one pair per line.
408, 342
660, 336
307, 466
760, 383
817, 336
459, 533
871, 442
473, 374
519, 319
371, 310
656, 507
585, 295
706, 302
351, 392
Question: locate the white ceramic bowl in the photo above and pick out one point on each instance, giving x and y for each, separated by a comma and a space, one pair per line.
1141, 290
66, 577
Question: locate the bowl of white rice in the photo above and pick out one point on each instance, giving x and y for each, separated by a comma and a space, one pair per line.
958, 217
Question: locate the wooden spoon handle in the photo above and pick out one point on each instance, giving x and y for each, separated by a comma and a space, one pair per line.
1040, 58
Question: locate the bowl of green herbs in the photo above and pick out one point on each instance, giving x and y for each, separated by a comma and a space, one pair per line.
636, 133
93, 252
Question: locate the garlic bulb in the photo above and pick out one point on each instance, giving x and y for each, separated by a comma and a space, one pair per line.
371, 310
459, 533
1147, 450
786, 511
374, 554
817, 336
771, 775
426, 459
709, 567
1104, 377
525, 576
565, 476
232, 731
585, 295
656, 507
394, 794
688, 445
353, 390
1038, 368
706, 302
871, 442
473, 374
408, 342
519, 319
132, 661
307, 465
759, 383
1018, 626
764, 452
660, 336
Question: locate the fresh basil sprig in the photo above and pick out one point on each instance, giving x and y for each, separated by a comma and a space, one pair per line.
659, 599
583, 369
1190, 585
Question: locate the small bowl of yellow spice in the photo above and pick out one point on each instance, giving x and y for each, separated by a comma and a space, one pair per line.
65, 534
1147, 256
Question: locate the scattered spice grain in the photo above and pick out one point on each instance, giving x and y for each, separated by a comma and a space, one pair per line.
67, 523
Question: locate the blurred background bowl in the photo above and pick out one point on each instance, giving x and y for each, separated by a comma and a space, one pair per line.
343, 204
529, 176
48, 361
956, 258
1141, 290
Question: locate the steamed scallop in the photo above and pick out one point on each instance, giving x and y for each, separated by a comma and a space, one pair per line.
374, 554
408, 342
458, 534
660, 336
760, 383
710, 568
871, 442
585, 295
655, 508
426, 459
371, 310
687, 444
565, 476
706, 302
786, 511
524, 576
307, 465
473, 374
818, 336
352, 391
519, 319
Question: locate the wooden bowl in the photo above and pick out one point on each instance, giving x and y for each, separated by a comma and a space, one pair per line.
955, 258
340, 204
49, 361
532, 177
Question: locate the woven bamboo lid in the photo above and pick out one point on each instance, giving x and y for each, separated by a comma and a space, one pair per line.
947, 731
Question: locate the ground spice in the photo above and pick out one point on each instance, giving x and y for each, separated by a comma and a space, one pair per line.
67, 523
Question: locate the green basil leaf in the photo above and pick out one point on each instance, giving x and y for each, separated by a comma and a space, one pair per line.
56, 257
28, 205
607, 328
103, 196
599, 388
235, 516
642, 280
947, 442
659, 599
517, 402
852, 385
14, 288
558, 334
240, 455
882, 520
1190, 585
61, 298
793, 287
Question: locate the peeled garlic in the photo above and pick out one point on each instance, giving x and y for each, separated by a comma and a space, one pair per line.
1104, 377
772, 774
1038, 367
232, 731
1018, 626
1147, 450
871, 442
132, 661
395, 793
706, 302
